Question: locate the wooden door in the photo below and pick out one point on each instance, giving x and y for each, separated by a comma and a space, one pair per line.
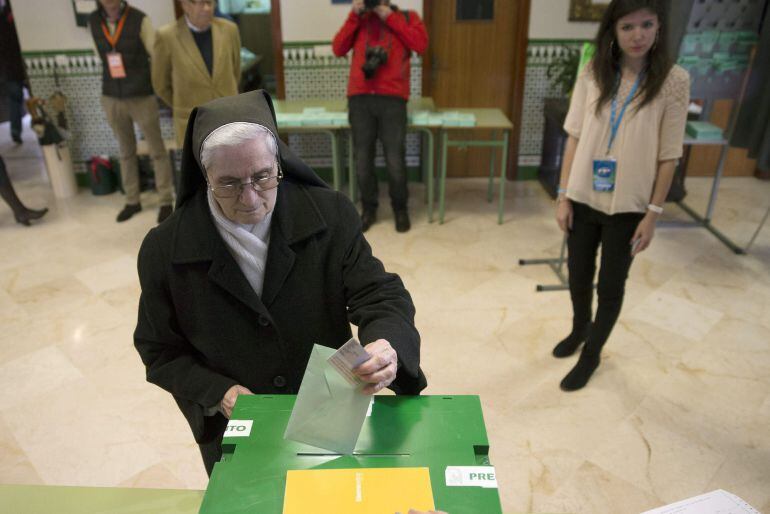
477, 63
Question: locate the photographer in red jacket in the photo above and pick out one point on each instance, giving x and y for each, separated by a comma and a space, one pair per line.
382, 38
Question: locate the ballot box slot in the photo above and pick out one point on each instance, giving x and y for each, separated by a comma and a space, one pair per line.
355, 454
482, 454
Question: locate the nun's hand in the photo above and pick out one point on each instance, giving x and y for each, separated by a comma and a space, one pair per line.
228, 401
380, 370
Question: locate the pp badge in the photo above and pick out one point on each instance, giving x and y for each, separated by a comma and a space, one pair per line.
115, 65
605, 171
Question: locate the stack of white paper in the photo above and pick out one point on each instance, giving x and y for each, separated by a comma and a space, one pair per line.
715, 502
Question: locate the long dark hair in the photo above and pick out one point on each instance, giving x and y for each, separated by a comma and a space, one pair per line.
606, 60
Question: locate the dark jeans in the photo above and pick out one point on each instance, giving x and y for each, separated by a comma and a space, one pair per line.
15, 91
384, 117
590, 228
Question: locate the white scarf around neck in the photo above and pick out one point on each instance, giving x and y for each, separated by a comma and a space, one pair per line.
248, 244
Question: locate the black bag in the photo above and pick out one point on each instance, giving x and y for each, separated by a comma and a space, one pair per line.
146, 173
101, 177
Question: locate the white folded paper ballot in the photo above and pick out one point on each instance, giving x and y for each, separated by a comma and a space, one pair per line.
329, 411
715, 502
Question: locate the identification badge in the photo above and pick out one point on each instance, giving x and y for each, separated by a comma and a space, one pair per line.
115, 65
605, 171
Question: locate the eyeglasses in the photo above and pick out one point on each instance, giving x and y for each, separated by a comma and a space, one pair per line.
256, 184
202, 3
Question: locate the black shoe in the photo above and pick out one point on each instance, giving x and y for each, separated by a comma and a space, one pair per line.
571, 343
578, 377
402, 221
29, 214
17, 140
368, 217
165, 212
128, 211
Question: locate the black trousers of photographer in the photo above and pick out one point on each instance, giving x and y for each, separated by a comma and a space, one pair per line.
380, 117
590, 228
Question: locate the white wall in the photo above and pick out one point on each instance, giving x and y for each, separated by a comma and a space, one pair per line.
50, 24
549, 20
319, 20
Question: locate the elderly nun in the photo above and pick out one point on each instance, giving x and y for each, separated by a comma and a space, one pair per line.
259, 261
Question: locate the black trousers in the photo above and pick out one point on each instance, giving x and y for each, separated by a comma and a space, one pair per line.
591, 228
380, 117
211, 453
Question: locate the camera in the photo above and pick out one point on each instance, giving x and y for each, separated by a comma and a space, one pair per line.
376, 56
371, 4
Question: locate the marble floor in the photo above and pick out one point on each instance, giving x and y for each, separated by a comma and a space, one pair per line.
679, 406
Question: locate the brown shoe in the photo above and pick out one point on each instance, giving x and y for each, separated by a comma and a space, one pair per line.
128, 211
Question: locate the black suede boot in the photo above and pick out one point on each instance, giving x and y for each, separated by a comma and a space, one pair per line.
572, 342
22, 214
578, 377
28, 215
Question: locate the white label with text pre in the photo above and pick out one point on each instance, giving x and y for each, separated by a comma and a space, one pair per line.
471, 476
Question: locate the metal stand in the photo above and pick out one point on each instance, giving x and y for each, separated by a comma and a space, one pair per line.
705, 221
759, 229
557, 265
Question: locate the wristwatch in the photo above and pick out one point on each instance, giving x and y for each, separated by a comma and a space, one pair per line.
655, 208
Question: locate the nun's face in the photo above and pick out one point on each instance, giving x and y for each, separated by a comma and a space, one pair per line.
235, 174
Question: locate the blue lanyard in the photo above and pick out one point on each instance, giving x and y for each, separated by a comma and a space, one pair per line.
615, 123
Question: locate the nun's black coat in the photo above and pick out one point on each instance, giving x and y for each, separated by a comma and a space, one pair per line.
203, 329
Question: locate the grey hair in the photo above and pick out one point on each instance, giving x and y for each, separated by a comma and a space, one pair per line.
234, 134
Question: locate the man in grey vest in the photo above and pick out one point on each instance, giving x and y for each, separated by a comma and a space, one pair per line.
124, 37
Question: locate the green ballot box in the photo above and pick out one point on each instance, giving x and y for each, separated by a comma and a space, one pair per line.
445, 434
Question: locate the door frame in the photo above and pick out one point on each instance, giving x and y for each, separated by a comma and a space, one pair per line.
520, 41
275, 29
277, 36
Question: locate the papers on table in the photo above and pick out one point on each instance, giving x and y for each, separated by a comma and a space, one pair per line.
715, 502
311, 117
359, 491
702, 130
329, 411
320, 117
443, 119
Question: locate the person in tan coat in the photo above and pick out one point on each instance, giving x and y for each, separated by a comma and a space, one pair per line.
196, 59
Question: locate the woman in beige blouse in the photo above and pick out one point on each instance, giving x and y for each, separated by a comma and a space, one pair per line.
626, 126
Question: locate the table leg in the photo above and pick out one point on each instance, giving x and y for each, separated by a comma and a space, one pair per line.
423, 163
442, 177
503, 166
351, 170
715, 183
429, 179
490, 183
336, 178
